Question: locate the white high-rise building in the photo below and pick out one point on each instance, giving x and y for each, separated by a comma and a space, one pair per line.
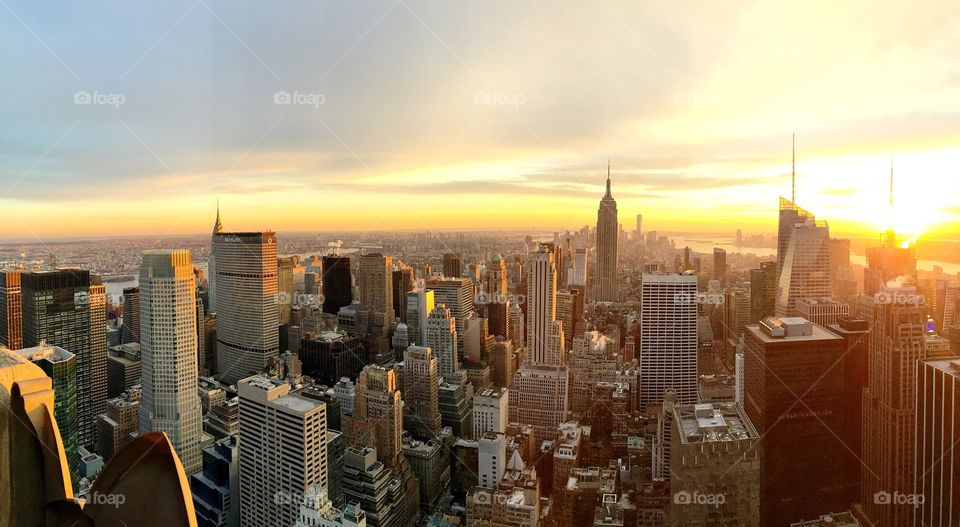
457, 294
442, 339
492, 459
419, 306
806, 267
668, 338
168, 353
283, 451
490, 411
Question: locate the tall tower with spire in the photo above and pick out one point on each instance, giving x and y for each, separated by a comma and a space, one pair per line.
212, 265
607, 227
889, 261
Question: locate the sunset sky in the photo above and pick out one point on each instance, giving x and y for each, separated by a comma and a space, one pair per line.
468, 115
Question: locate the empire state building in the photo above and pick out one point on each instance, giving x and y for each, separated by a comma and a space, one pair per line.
607, 228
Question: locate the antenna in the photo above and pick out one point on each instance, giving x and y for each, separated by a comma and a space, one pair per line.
793, 168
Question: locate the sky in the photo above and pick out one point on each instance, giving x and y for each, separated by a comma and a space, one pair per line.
124, 118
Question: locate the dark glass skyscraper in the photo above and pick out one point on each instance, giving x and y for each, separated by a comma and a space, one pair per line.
337, 283
61, 366
131, 315
59, 309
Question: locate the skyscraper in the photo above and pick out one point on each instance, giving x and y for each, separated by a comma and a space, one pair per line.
490, 411
57, 310
805, 270
130, 331
452, 265
402, 283
607, 230
763, 292
376, 294
216, 489
495, 279
420, 383
539, 394
714, 450
856, 335
938, 397
495, 296
579, 275
793, 391
212, 262
168, 348
457, 294
889, 405
890, 262
419, 306
11, 314
246, 302
668, 338
378, 414
61, 366
285, 288
442, 339
283, 451
337, 283
719, 264
543, 346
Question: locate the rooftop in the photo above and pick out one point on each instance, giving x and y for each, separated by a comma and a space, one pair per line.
792, 329
713, 423
45, 351
950, 365
842, 519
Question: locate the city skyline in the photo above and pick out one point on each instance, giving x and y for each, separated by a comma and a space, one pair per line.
468, 135
421, 263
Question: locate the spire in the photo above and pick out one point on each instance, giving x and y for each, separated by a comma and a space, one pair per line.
608, 194
217, 226
793, 168
891, 234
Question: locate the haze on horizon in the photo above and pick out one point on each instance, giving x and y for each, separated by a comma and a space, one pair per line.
439, 115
